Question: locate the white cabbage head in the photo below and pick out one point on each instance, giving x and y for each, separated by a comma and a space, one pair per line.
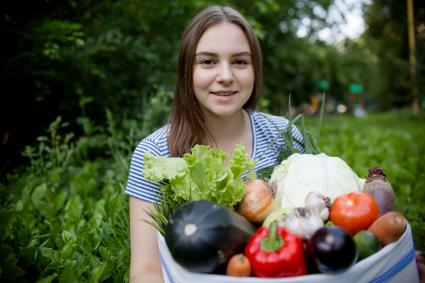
300, 174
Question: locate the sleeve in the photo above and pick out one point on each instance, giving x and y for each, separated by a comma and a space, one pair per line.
137, 185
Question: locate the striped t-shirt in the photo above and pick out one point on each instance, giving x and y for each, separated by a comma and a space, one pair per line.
266, 149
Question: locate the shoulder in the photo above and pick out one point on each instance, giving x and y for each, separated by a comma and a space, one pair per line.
156, 143
271, 129
269, 120
137, 185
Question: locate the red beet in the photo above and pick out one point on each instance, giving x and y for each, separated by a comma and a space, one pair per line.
378, 186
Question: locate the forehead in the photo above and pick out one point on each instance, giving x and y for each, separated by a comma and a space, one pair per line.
223, 37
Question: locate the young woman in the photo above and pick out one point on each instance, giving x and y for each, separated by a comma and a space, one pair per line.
218, 86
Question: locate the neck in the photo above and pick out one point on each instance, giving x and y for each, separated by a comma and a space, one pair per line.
229, 131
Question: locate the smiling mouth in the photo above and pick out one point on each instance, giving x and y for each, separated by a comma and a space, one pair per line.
224, 93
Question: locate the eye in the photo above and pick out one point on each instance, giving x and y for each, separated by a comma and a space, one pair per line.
240, 62
207, 62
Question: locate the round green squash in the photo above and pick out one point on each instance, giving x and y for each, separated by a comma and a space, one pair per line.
203, 235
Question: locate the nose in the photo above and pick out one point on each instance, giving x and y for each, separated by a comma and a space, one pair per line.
225, 75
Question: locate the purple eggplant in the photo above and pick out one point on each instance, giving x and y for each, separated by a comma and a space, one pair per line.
333, 249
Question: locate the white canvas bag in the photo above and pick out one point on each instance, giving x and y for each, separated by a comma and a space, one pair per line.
393, 263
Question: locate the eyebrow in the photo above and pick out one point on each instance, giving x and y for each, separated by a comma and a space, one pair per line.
206, 53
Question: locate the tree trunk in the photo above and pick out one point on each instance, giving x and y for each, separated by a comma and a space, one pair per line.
412, 56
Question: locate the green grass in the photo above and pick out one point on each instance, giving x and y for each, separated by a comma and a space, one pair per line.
64, 218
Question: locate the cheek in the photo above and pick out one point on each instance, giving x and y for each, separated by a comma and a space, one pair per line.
247, 78
201, 78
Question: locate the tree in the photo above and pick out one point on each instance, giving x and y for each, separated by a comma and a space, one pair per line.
387, 39
412, 56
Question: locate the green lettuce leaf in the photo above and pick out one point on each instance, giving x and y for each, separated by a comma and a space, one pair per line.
201, 174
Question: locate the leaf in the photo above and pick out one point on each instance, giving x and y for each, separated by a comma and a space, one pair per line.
49, 253
158, 168
40, 200
70, 273
59, 201
74, 210
96, 273
67, 251
47, 279
68, 237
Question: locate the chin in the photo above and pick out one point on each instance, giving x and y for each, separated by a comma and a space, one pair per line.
226, 113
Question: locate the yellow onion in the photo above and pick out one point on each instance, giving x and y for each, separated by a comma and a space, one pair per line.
258, 201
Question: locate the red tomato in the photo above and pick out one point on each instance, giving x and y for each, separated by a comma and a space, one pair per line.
354, 211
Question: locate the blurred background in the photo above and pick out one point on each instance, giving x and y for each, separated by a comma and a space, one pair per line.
77, 59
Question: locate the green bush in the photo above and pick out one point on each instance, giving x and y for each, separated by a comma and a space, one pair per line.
65, 216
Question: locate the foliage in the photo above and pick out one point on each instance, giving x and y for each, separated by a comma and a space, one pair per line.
77, 58
387, 40
64, 217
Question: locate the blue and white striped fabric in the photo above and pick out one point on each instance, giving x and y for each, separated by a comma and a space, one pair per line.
266, 144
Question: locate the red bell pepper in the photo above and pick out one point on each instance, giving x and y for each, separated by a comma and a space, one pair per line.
276, 252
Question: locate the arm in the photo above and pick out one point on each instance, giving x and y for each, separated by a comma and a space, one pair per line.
144, 264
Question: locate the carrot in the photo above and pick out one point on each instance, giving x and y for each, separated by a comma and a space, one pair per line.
238, 265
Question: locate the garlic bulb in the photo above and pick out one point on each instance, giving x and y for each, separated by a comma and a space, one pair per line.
303, 222
318, 202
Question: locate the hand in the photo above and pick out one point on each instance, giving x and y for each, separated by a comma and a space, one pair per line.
420, 262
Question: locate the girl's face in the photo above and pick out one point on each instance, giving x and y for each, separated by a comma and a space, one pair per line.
223, 75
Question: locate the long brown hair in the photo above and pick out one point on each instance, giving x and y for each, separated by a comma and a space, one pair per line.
188, 126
